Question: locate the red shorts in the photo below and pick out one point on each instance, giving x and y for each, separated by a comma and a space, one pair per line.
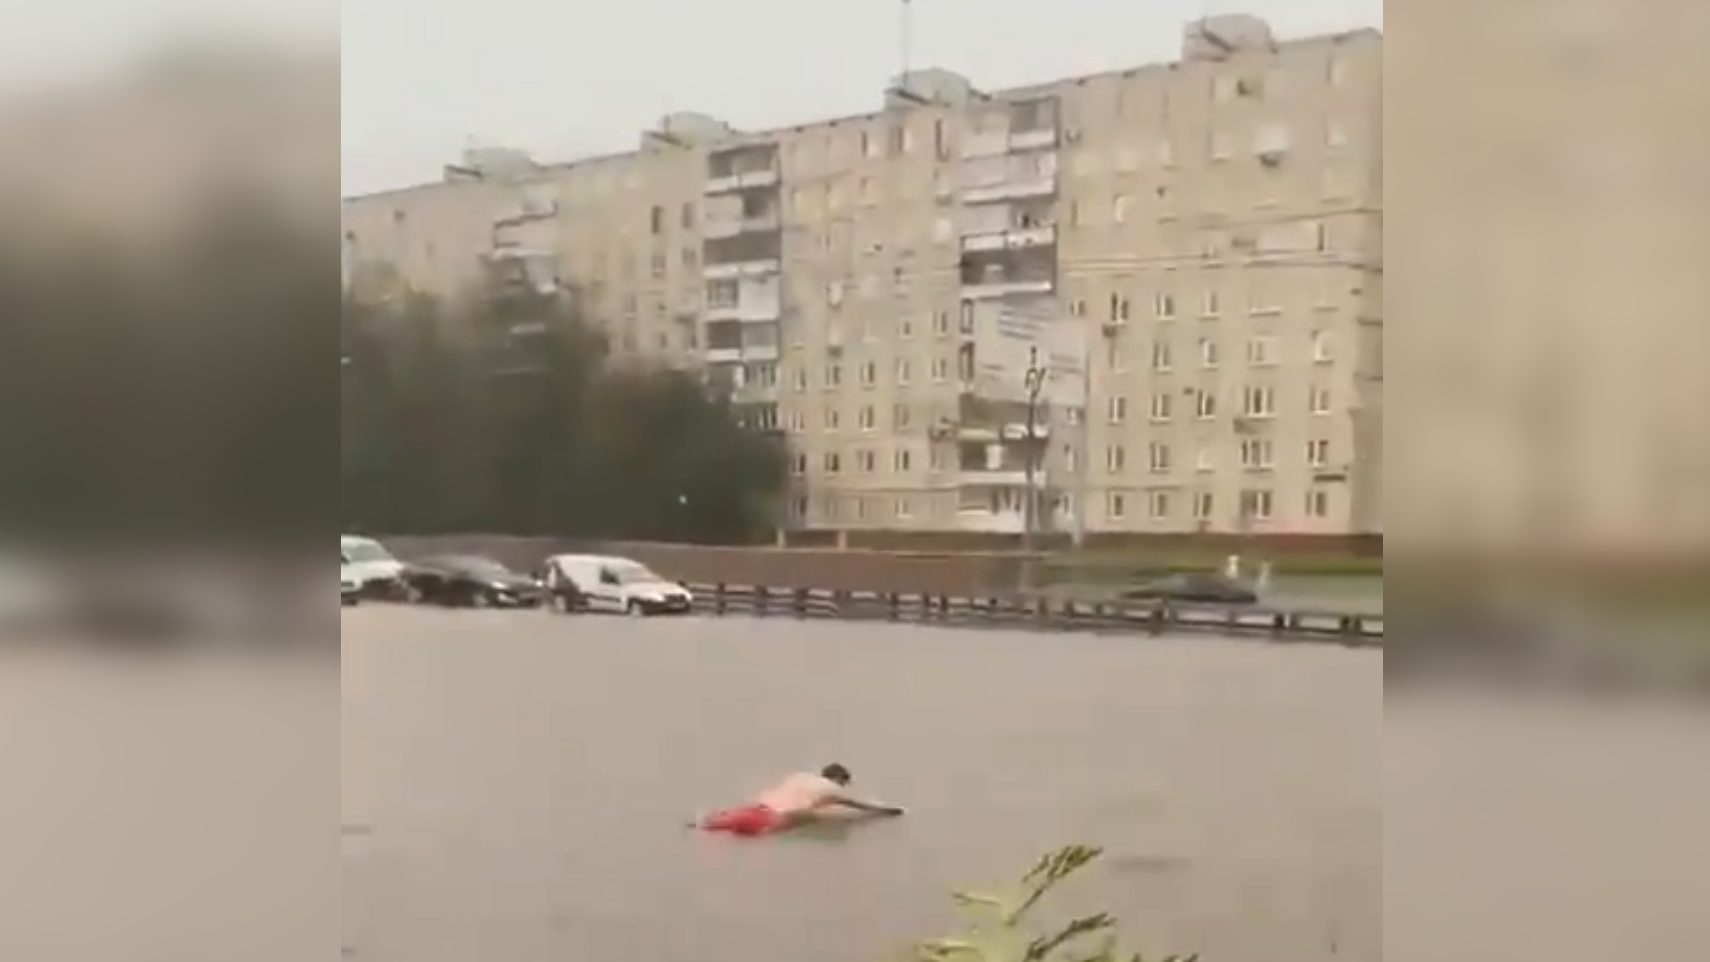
747, 820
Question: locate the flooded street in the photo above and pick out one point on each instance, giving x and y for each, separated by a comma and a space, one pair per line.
515, 786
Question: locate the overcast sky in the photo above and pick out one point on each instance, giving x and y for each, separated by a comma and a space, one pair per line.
563, 78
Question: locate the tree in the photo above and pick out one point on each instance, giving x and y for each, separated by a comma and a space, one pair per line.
504, 414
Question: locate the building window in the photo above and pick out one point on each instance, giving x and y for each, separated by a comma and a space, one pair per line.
1318, 503
1221, 148
1078, 307
941, 323
1209, 305
904, 509
936, 457
900, 416
1337, 71
902, 460
1118, 409
867, 419
1113, 356
1119, 208
869, 373
1071, 458
1203, 505
905, 328
833, 419
1164, 305
1261, 351
1259, 402
656, 220
1158, 458
1320, 401
1256, 453
1318, 452
1160, 505
1208, 353
657, 265
800, 508
967, 317
1256, 504
1162, 356
1204, 461
799, 464
801, 380
1321, 347
866, 460
1115, 505
1321, 236
1161, 403
860, 509
833, 463
902, 371
940, 143
940, 370
1115, 459
688, 216
1072, 415
834, 376
1205, 405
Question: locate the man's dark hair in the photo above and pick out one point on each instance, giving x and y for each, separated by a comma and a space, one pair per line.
836, 773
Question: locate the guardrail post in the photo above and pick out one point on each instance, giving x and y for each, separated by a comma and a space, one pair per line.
839, 602
718, 598
1159, 615
894, 601
761, 596
799, 602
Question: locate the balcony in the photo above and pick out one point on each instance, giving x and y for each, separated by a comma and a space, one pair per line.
744, 180
746, 225
724, 355
1017, 239
999, 478
990, 522
993, 143
1037, 139
1041, 186
747, 313
754, 268
1016, 431
983, 290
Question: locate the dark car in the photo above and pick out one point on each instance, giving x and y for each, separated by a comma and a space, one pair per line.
470, 581
1194, 586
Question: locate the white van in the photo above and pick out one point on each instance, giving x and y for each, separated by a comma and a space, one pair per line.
368, 563
591, 582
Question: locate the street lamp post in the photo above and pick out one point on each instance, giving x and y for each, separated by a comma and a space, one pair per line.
1034, 381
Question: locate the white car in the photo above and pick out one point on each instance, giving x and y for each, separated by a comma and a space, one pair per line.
367, 562
588, 582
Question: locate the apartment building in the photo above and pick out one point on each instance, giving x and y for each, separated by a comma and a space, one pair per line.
1160, 289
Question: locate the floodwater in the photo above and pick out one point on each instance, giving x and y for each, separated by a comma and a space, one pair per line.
515, 786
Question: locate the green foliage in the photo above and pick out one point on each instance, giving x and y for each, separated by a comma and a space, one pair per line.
997, 930
504, 415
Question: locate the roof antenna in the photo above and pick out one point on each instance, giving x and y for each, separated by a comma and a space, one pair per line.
904, 39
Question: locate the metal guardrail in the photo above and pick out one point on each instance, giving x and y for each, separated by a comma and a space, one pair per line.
1153, 618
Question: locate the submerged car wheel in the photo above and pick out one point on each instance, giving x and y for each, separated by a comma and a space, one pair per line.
414, 594
480, 599
635, 609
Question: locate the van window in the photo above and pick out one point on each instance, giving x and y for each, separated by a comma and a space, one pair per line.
608, 576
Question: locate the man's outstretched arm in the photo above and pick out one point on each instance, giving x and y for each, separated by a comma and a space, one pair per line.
862, 805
